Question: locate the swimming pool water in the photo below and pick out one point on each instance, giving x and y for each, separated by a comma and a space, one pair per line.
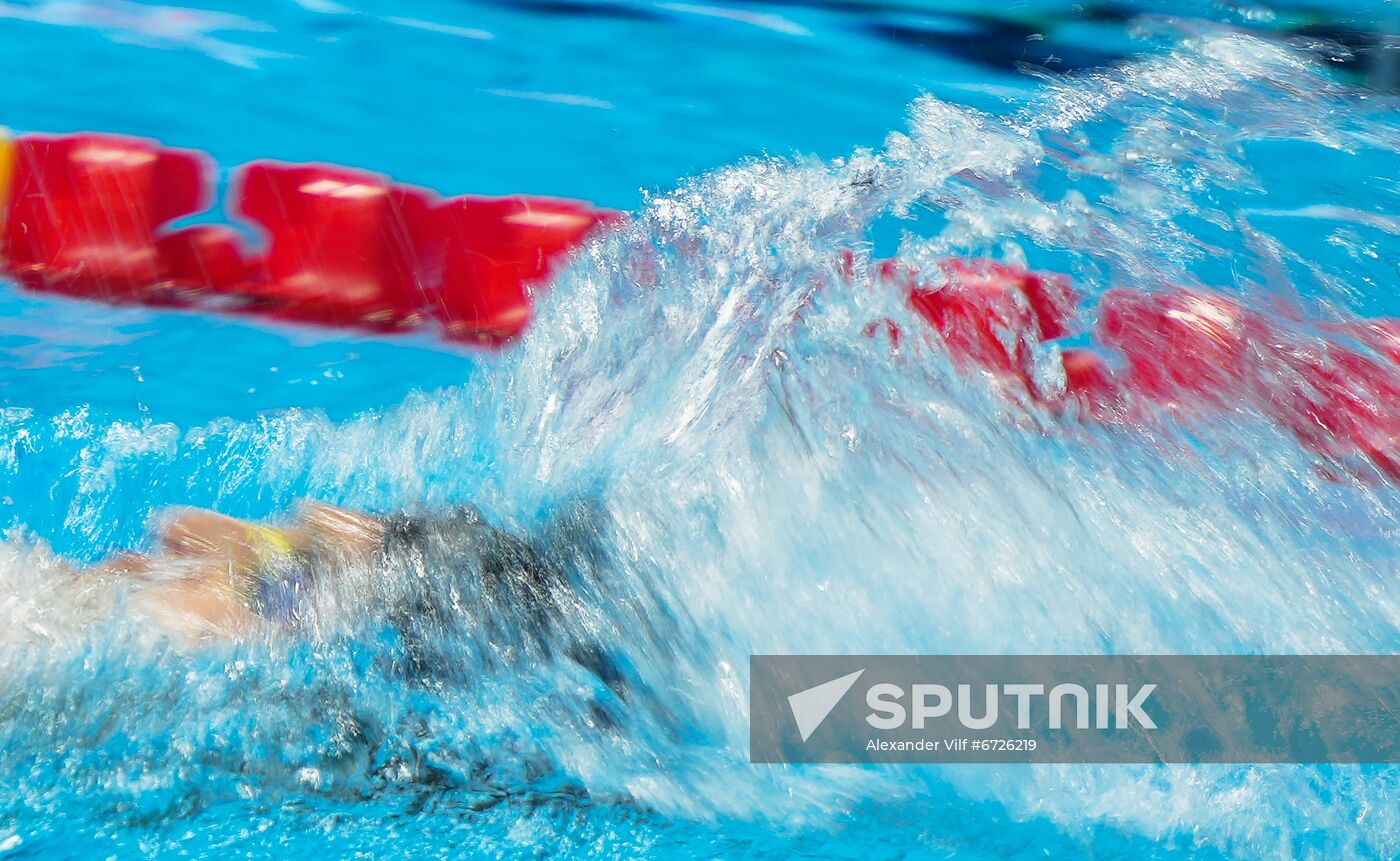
769, 486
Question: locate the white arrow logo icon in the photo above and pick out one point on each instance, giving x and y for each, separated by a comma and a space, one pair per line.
810, 707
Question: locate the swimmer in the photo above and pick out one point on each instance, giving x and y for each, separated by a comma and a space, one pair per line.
443, 586
210, 576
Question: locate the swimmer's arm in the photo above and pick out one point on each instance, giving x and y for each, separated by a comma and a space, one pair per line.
207, 603
349, 536
200, 599
186, 533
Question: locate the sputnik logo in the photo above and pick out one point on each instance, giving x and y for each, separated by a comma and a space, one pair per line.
811, 707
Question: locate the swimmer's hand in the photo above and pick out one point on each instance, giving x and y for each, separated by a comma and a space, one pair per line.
126, 563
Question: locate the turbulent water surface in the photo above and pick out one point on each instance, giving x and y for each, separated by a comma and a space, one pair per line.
698, 424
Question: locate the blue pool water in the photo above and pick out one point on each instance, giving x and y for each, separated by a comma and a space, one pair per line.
761, 477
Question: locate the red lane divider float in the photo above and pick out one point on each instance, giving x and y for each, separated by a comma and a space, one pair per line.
495, 252
344, 247
1189, 351
88, 215
83, 211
